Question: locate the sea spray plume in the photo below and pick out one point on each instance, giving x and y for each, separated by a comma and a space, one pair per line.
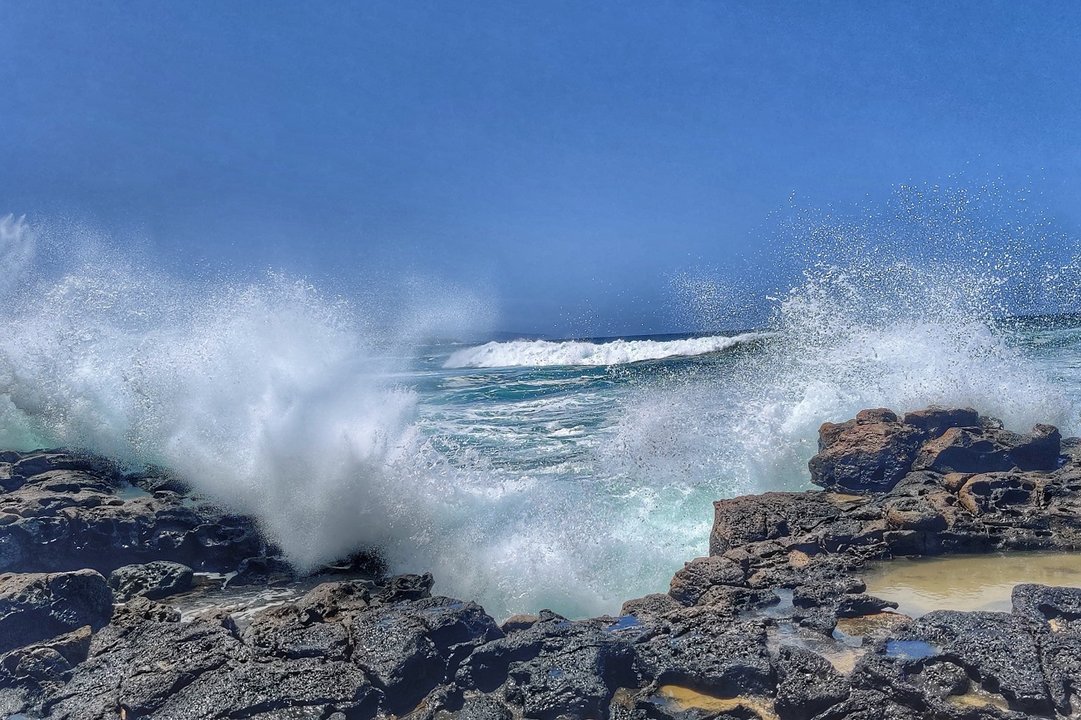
17, 249
267, 396
898, 307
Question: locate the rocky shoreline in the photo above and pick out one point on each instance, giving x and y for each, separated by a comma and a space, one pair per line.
97, 563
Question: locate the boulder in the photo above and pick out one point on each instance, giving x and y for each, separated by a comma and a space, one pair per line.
709, 651
740, 521
154, 580
38, 606
807, 684
867, 454
934, 421
556, 667
703, 574
411, 646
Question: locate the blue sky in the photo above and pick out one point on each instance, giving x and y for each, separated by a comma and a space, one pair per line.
563, 159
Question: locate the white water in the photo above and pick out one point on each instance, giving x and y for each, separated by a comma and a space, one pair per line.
546, 353
268, 396
568, 487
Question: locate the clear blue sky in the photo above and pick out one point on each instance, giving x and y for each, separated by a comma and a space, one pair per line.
564, 158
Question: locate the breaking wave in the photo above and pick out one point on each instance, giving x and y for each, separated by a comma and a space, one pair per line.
268, 396
579, 479
547, 353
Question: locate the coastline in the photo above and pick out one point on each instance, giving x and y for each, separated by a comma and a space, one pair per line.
730, 638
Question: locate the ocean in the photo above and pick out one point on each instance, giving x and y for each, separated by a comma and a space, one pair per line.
525, 474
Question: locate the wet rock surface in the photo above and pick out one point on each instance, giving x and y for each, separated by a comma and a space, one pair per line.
154, 580
774, 624
67, 512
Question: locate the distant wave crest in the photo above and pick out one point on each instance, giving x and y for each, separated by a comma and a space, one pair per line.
547, 353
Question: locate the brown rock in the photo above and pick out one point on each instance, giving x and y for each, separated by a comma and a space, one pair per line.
701, 574
932, 422
990, 449
870, 454
744, 520
983, 493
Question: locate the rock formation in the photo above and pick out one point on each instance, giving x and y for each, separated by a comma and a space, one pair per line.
728, 640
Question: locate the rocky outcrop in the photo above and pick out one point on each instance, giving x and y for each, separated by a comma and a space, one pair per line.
154, 580
872, 452
66, 512
39, 606
764, 627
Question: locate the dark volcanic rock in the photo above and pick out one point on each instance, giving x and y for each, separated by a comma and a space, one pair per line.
151, 668
411, 646
932, 422
154, 580
1054, 617
743, 520
703, 574
39, 606
806, 684
262, 570
709, 651
996, 649
65, 512
990, 449
783, 571
555, 667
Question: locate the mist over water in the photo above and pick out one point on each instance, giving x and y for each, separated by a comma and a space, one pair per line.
529, 474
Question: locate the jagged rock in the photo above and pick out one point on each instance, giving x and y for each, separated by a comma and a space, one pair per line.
868, 454
932, 422
285, 631
860, 604
154, 580
741, 521
411, 646
995, 491
806, 684
555, 667
702, 574
365, 647
334, 599
994, 648
481, 708
986, 450
165, 669
578, 681
1054, 616
39, 606
262, 570
710, 651
63, 512
141, 608
650, 605
407, 587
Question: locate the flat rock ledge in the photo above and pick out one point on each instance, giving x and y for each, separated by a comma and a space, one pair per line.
775, 624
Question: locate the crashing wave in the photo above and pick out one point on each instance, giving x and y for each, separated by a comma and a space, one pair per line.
548, 353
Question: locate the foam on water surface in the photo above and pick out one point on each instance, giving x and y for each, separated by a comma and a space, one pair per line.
546, 353
573, 476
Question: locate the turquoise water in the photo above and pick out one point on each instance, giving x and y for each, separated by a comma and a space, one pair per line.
525, 474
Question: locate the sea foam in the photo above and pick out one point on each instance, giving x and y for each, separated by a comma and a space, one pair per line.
547, 353
268, 396
574, 487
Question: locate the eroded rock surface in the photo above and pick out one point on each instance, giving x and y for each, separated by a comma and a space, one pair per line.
774, 624
67, 512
